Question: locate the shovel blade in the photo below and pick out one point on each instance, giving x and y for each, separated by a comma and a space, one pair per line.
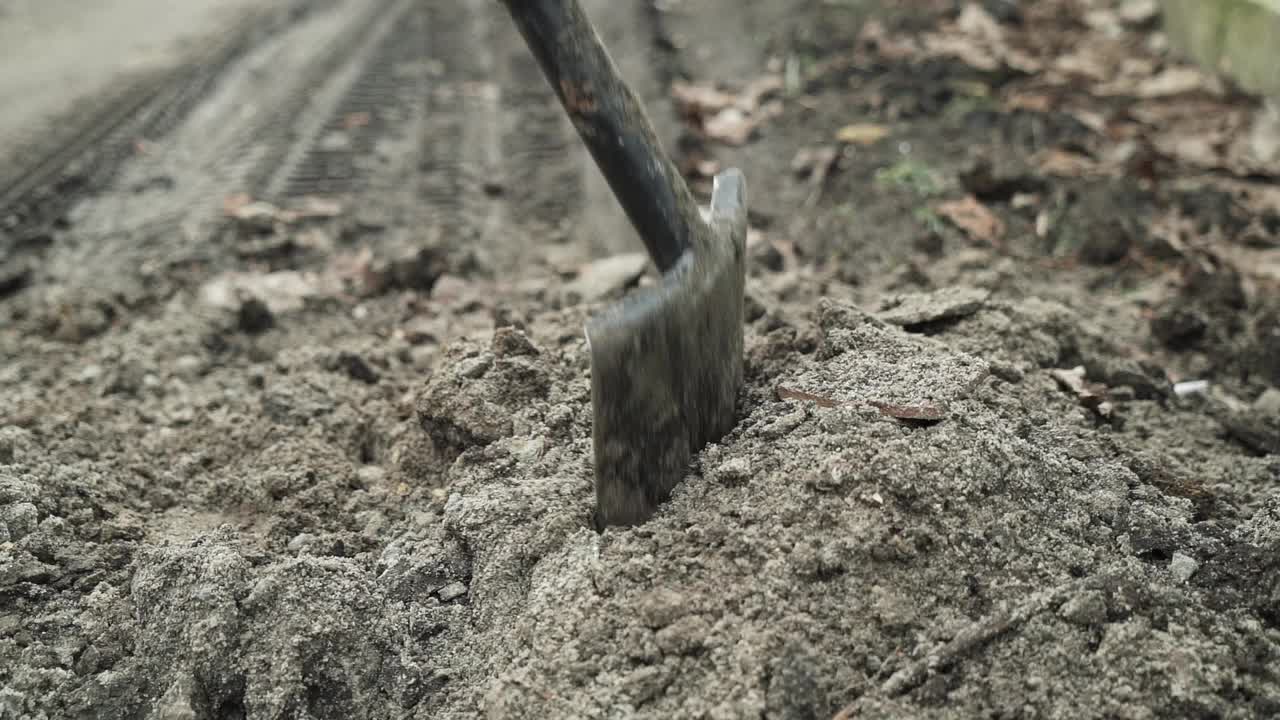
666, 366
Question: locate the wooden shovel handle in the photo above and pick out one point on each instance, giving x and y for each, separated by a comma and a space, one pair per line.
612, 123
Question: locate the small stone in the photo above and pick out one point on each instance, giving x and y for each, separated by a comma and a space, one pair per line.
508, 341
355, 367
254, 317
607, 276
256, 217
1138, 13
1122, 393
301, 542
187, 366
126, 380
371, 475
914, 309
14, 276
452, 591
476, 367
1183, 566
732, 470
767, 256
1087, 608
662, 607
21, 518
420, 271
1268, 403
1179, 327
89, 373
684, 635
1105, 244
124, 527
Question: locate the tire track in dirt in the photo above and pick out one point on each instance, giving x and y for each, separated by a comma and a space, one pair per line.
263, 114
387, 96
41, 180
340, 85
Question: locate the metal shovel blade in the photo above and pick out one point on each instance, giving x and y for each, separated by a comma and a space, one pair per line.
666, 365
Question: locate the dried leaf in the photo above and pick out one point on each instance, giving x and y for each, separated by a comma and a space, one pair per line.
281, 291
950, 303
966, 50
700, 99
786, 393
862, 133
1090, 395
605, 276
1139, 12
891, 48
309, 209
730, 125
814, 162
973, 218
727, 117
753, 95
1030, 101
979, 41
1064, 163
356, 120
1174, 81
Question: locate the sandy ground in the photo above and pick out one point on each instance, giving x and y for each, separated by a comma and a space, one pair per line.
296, 416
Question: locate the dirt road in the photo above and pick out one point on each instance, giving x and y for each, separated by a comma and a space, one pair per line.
296, 406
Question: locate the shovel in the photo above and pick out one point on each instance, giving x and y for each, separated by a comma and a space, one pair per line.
666, 362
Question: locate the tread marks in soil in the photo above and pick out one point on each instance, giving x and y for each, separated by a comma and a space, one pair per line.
297, 125
43, 182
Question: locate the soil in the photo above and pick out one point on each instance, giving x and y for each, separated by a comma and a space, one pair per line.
296, 410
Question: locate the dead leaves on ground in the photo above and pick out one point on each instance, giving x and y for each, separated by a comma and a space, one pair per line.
862, 134
722, 116
974, 218
1080, 61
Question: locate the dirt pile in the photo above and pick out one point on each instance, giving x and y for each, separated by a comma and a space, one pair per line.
1007, 444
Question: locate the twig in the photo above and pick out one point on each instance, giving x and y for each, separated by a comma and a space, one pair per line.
968, 640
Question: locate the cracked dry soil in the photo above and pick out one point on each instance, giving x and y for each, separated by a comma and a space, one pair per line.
338, 465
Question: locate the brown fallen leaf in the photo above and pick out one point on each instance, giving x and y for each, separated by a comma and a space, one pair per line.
862, 133
1174, 81
973, 218
753, 95
281, 291
731, 126
817, 164
876, 38
1137, 13
311, 208
727, 117
1029, 101
699, 99
813, 160
786, 393
1090, 395
1064, 163
977, 40
356, 120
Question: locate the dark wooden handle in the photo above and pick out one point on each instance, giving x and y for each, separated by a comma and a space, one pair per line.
612, 123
